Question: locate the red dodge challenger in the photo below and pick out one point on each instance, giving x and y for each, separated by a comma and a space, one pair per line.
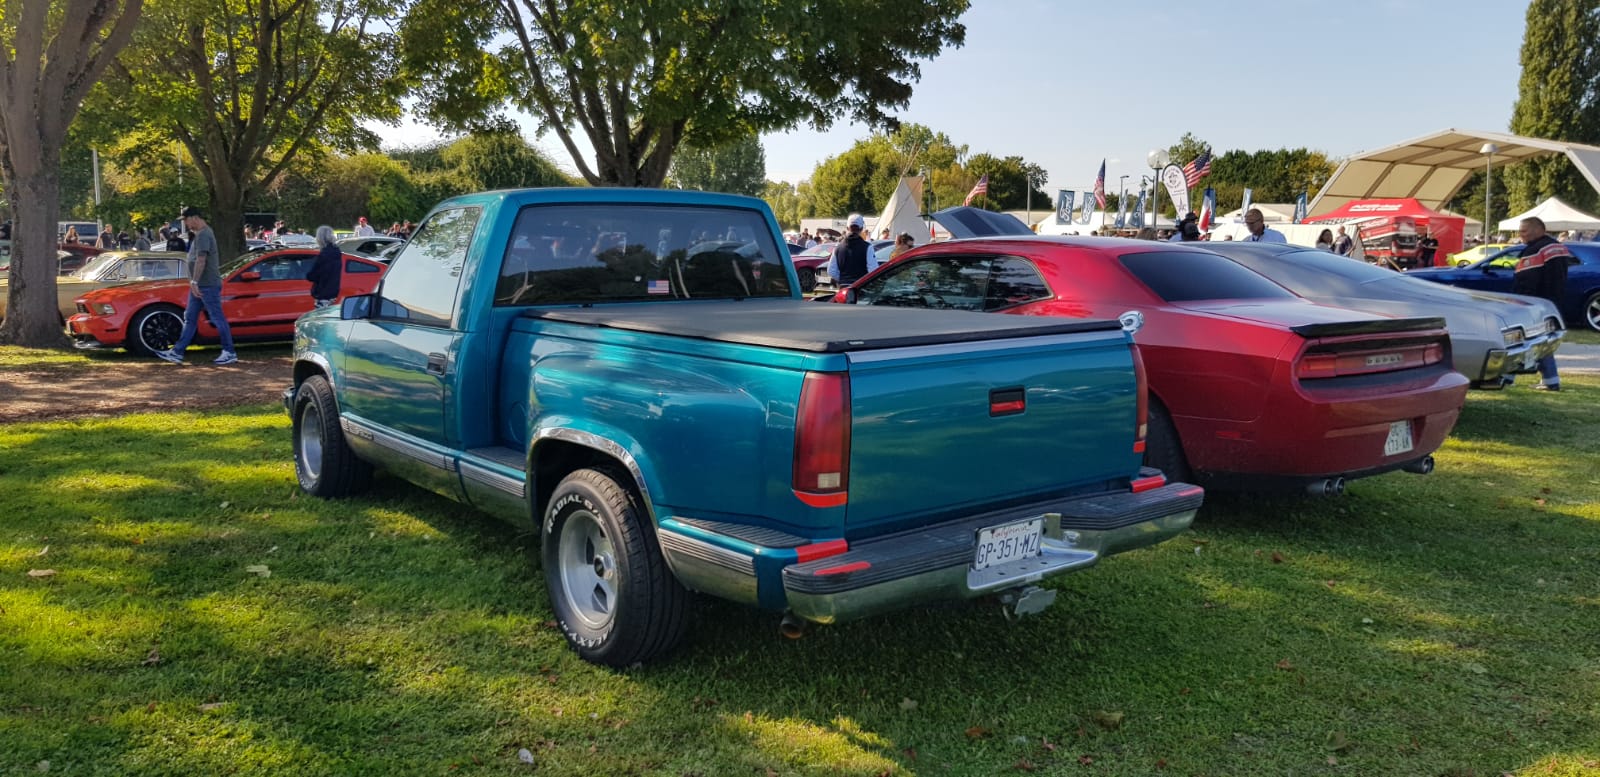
1250, 385
262, 295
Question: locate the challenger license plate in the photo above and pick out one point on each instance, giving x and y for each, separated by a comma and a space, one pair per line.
1006, 543
1399, 438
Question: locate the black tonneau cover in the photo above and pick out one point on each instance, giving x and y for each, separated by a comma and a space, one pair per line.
822, 328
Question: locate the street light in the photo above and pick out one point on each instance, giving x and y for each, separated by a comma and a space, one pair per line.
1488, 150
1158, 159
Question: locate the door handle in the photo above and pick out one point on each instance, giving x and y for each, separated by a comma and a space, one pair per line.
436, 364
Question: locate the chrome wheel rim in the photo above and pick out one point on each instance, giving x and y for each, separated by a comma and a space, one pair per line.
310, 442
160, 330
1594, 312
586, 566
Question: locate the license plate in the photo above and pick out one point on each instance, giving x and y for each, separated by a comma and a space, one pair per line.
1006, 543
1399, 438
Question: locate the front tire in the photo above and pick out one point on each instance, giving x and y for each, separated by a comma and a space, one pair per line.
613, 595
1163, 449
153, 329
1591, 311
323, 462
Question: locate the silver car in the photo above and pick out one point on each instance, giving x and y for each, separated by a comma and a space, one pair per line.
369, 246
1492, 335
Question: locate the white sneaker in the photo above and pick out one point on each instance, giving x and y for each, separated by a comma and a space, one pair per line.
170, 355
227, 357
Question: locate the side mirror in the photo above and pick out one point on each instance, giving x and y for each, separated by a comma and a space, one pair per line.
355, 308
1131, 321
249, 276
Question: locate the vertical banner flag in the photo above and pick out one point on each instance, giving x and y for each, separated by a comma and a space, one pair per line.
1177, 188
1122, 211
1064, 206
1138, 210
1087, 213
1100, 187
1300, 209
1208, 209
982, 187
1245, 208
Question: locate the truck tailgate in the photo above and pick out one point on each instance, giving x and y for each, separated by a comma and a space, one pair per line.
939, 429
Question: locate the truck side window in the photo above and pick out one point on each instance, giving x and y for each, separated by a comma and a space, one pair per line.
422, 281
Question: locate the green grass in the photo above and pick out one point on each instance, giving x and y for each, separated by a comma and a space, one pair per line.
1440, 625
1583, 336
35, 359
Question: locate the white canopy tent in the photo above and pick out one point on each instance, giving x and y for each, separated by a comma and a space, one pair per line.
1557, 217
1431, 169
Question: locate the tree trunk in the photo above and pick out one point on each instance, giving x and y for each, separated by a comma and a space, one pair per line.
32, 317
227, 216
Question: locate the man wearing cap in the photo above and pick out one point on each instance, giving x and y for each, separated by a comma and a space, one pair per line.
205, 291
363, 229
853, 257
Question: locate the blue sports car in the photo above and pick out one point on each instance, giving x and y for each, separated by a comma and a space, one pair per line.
1582, 305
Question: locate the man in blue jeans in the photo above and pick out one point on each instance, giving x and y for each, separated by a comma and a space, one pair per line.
205, 291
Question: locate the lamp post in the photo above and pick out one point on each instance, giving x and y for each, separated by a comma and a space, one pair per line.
1158, 159
1488, 150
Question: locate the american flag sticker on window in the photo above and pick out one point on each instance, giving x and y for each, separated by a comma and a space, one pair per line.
660, 287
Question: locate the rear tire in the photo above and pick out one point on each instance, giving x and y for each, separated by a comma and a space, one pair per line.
323, 462
613, 595
808, 279
155, 328
1163, 449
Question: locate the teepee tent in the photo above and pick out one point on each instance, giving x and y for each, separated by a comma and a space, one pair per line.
1557, 216
901, 215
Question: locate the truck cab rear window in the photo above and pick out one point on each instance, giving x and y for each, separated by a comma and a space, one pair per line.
572, 254
1184, 276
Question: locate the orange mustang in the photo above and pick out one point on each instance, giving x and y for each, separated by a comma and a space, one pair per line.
262, 295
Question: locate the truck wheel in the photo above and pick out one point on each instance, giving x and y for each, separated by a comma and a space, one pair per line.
808, 278
323, 461
1591, 311
609, 585
154, 329
1162, 448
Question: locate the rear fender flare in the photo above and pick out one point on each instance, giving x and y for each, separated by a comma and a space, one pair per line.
605, 441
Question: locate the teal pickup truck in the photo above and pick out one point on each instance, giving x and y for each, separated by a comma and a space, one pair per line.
634, 374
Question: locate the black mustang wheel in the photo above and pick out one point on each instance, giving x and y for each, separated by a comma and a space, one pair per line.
154, 329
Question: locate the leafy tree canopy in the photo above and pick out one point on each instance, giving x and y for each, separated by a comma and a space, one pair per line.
636, 80
1558, 98
737, 167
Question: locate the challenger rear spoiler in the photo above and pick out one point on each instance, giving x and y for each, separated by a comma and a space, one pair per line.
1379, 326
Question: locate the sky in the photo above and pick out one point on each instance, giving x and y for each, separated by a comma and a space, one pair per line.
1067, 84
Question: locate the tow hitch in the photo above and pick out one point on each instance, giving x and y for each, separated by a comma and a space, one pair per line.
1029, 600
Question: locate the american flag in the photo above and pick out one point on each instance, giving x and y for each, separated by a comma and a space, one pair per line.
1100, 187
1197, 168
981, 188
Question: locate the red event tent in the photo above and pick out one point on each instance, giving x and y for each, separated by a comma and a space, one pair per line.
1377, 215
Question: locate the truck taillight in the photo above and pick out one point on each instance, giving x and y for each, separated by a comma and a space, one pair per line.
822, 440
1142, 412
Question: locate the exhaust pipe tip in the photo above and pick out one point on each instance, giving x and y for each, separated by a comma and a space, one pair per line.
1337, 487
1326, 487
1422, 466
792, 626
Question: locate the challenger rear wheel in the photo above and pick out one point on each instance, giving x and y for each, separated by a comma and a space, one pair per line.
1163, 450
613, 595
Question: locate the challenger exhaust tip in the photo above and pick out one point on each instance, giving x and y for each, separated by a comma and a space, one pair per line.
1421, 466
1326, 487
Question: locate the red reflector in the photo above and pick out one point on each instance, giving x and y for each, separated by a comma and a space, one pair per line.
1138, 446
1141, 485
823, 500
818, 550
1007, 408
1192, 491
1230, 434
843, 569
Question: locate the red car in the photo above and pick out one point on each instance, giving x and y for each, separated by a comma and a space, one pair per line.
1249, 384
262, 295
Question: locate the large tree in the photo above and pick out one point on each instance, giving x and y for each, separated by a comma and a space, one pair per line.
737, 167
636, 80
51, 53
249, 85
1558, 98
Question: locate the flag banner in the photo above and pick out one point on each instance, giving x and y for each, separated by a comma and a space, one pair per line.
1122, 211
1100, 187
1208, 209
1300, 209
1197, 168
1088, 208
1177, 188
1138, 210
1064, 206
1245, 208
981, 188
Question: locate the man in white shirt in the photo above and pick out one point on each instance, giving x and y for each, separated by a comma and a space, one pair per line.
363, 229
1259, 231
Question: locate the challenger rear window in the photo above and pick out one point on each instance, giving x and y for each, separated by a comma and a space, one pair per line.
1184, 276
